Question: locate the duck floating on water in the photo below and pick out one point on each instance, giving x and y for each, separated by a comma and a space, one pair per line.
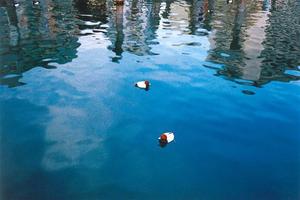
166, 138
143, 85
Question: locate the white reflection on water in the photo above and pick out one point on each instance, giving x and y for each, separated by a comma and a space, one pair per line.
253, 47
68, 138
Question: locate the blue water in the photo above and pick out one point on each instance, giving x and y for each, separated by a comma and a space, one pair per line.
224, 78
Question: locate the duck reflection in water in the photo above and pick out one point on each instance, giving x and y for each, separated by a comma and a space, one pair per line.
162, 144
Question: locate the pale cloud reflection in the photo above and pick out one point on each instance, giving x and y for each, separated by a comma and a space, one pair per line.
170, 77
68, 139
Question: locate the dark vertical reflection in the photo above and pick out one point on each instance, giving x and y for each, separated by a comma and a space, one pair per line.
166, 12
153, 20
208, 13
239, 19
200, 16
196, 15
119, 33
273, 5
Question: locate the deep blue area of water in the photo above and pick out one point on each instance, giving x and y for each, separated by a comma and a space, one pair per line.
224, 78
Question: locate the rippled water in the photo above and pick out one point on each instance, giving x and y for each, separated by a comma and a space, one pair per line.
224, 78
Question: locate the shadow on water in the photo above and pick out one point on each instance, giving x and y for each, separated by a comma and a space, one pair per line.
35, 35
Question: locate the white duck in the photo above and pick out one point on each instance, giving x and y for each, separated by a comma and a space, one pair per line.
143, 84
166, 137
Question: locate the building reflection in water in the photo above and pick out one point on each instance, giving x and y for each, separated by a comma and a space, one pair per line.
35, 36
252, 40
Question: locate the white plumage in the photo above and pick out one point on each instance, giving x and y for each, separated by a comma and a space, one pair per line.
170, 136
142, 84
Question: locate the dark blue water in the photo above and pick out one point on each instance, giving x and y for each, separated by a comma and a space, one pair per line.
224, 78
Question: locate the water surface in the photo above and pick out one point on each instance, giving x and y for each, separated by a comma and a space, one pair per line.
225, 79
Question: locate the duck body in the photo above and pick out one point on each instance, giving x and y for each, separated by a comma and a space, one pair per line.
143, 84
166, 137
